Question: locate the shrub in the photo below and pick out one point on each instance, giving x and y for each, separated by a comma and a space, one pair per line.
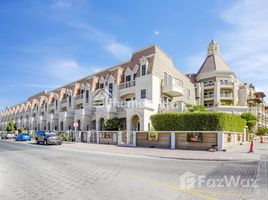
262, 131
195, 108
251, 120
21, 130
65, 136
198, 122
248, 116
10, 127
251, 125
112, 124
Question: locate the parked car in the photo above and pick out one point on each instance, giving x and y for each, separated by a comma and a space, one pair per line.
23, 137
47, 137
8, 135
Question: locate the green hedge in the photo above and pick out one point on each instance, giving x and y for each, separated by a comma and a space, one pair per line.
198, 122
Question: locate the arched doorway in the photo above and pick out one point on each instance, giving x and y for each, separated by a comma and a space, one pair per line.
135, 123
79, 125
102, 121
61, 125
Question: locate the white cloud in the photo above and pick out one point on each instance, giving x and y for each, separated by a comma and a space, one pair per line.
156, 32
65, 70
118, 50
195, 61
108, 42
245, 41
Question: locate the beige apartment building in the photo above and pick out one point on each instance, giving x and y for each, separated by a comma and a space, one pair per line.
132, 91
148, 83
219, 89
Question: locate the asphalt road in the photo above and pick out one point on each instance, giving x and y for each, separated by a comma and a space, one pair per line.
29, 171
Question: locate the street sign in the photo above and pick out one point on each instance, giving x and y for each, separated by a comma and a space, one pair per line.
75, 124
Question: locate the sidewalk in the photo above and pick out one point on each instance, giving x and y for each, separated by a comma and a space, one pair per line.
238, 153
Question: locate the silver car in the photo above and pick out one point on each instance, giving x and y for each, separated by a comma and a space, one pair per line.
46, 137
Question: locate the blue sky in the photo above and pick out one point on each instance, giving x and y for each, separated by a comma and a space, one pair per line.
47, 43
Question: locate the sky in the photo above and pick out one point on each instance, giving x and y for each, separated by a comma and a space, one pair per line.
45, 44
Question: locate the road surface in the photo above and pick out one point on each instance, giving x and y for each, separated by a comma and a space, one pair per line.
38, 172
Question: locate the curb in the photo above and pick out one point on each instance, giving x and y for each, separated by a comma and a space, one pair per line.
168, 157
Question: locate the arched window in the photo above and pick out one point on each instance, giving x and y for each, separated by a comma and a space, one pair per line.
87, 96
70, 100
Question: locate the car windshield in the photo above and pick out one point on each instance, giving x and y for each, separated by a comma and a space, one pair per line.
50, 133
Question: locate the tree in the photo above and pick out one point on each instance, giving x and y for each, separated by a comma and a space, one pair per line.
196, 108
262, 131
248, 116
251, 120
10, 127
112, 124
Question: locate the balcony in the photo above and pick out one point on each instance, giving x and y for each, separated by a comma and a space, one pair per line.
127, 85
209, 96
41, 117
63, 101
226, 96
105, 108
126, 88
226, 84
65, 114
33, 119
172, 87
51, 106
52, 116
231, 109
83, 112
209, 85
79, 99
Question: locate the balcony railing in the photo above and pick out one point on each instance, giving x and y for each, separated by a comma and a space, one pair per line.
79, 97
227, 83
226, 95
127, 85
209, 96
172, 86
209, 84
64, 101
81, 112
66, 114
52, 116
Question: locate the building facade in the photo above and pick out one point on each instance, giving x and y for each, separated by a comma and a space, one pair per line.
219, 89
132, 91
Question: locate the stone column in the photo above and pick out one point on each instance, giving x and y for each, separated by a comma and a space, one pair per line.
119, 137
134, 139
220, 140
217, 93
172, 140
